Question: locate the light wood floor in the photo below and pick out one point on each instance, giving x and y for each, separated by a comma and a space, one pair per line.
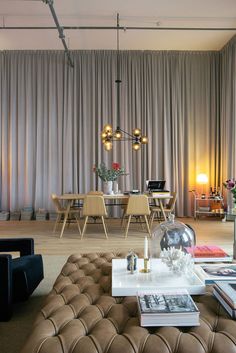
208, 231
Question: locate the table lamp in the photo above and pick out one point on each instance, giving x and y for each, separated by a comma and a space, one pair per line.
202, 179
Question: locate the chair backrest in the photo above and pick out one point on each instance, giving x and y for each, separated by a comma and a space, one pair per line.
138, 205
171, 204
57, 203
94, 205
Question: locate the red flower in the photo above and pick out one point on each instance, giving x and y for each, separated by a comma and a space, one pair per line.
115, 166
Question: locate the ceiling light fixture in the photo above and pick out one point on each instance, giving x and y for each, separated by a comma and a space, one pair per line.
108, 136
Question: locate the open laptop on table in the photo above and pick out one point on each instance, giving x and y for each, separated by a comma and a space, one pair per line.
155, 185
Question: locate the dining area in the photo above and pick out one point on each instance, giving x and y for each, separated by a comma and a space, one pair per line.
128, 210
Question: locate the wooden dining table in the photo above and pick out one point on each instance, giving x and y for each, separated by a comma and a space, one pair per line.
71, 198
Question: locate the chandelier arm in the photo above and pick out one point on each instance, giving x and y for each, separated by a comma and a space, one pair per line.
127, 133
123, 139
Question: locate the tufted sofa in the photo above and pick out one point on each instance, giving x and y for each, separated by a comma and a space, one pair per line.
81, 316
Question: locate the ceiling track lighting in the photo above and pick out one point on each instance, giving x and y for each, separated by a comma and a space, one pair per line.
109, 136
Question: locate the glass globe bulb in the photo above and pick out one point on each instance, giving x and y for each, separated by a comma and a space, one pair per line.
108, 145
107, 128
144, 139
118, 134
136, 146
136, 132
103, 134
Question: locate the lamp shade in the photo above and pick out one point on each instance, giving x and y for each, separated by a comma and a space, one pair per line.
202, 178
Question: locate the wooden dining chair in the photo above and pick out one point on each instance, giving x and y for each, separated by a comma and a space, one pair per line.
94, 206
169, 208
138, 205
61, 212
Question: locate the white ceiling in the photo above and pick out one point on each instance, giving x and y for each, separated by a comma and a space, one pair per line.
148, 13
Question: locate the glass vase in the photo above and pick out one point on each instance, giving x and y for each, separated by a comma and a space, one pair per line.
115, 187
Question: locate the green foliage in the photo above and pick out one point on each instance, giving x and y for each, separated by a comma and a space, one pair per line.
109, 174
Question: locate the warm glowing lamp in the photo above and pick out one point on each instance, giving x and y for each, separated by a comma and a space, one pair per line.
202, 179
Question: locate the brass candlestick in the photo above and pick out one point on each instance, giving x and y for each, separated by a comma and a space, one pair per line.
145, 264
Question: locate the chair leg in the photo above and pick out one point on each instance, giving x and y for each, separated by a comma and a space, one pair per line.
146, 220
77, 219
56, 222
127, 226
122, 218
104, 226
141, 223
84, 227
151, 219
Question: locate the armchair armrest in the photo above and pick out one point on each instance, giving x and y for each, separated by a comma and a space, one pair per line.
24, 245
5, 287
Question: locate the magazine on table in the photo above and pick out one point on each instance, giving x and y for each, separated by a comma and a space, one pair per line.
211, 273
225, 304
208, 253
167, 308
227, 289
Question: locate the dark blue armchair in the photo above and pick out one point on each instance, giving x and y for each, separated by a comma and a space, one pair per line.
18, 276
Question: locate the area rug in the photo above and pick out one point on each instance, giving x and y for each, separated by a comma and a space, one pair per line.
14, 332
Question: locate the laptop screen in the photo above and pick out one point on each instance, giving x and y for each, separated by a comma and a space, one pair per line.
153, 185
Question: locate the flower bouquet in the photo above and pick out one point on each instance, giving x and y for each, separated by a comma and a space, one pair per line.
109, 174
230, 185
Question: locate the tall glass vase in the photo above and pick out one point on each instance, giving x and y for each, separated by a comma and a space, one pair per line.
115, 187
107, 187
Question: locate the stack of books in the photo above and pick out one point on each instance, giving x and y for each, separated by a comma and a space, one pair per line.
208, 253
14, 215
41, 214
225, 292
167, 308
53, 216
211, 273
4, 215
163, 193
27, 213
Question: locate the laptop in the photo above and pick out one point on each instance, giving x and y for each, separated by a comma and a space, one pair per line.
155, 185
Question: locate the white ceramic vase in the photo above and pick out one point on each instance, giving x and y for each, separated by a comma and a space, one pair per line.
107, 187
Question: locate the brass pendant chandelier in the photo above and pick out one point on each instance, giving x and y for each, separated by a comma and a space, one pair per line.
108, 136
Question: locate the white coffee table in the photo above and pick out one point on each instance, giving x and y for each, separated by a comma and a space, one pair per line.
126, 284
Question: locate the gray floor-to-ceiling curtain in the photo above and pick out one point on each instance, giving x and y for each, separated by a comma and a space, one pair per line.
228, 113
228, 110
51, 116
